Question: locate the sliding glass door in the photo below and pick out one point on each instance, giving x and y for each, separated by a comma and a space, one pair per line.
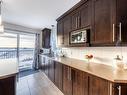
20, 46
26, 51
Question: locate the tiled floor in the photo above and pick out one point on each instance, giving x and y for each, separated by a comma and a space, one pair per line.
36, 84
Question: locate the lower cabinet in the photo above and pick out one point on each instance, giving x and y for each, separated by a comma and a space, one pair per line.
79, 83
67, 80
58, 75
51, 70
42, 62
46, 66
119, 89
8, 86
75, 82
98, 86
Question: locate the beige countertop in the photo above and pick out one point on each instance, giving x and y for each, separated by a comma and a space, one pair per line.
103, 71
8, 67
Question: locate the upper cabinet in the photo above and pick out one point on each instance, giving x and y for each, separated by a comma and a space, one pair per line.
63, 29
109, 22
85, 14
60, 33
46, 38
81, 17
66, 29
121, 23
75, 20
106, 20
103, 27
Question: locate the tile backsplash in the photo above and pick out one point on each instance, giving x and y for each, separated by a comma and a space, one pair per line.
103, 55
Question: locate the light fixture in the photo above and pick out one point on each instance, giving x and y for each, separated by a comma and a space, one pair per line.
1, 24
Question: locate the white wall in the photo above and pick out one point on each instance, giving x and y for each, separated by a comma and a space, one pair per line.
104, 55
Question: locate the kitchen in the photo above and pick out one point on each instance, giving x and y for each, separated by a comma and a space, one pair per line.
84, 55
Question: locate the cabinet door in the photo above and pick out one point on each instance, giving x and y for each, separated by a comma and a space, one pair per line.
67, 80
67, 29
8, 86
75, 20
85, 12
58, 75
51, 70
122, 19
98, 86
120, 89
80, 83
42, 62
60, 33
103, 32
46, 66
46, 38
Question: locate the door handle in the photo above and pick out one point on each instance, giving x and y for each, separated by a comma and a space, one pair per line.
76, 22
119, 88
111, 87
68, 73
113, 35
120, 30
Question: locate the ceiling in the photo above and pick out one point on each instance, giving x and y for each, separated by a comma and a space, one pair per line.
35, 14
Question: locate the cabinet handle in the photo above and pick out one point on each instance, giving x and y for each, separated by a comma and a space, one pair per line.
110, 88
113, 35
76, 22
120, 30
70, 74
119, 88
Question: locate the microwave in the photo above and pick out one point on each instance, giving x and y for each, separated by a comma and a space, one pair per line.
79, 36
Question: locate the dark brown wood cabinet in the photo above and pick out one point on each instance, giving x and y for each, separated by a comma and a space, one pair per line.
58, 75
80, 82
81, 17
67, 80
106, 20
121, 23
42, 62
63, 28
75, 20
110, 22
8, 86
66, 29
75, 82
72, 81
46, 33
86, 14
60, 33
119, 89
103, 24
46, 66
51, 70
98, 86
